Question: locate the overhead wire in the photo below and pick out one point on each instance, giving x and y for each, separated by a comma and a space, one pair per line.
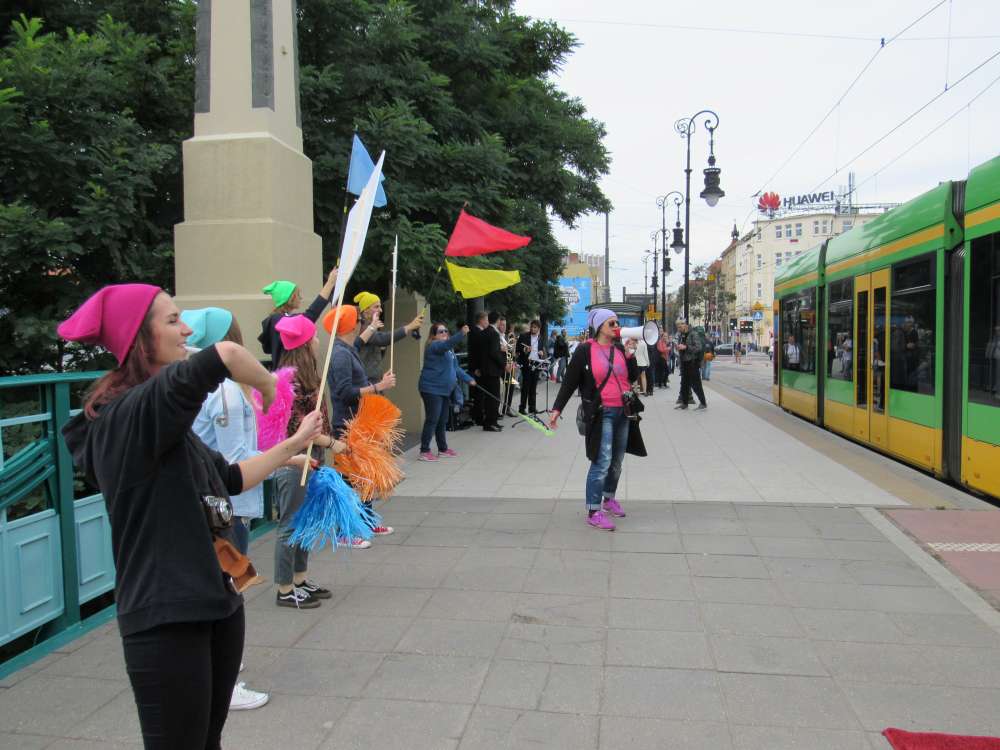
965, 107
759, 32
913, 114
884, 43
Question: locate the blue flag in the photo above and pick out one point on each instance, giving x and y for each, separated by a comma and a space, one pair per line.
360, 170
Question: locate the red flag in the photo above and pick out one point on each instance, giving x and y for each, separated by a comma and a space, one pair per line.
473, 236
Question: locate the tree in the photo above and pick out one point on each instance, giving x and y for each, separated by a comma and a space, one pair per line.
90, 184
96, 98
458, 96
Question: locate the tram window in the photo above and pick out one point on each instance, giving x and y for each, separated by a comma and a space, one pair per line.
984, 322
911, 327
798, 331
839, 342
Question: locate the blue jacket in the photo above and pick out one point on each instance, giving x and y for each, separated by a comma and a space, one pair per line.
441, 369
345, 380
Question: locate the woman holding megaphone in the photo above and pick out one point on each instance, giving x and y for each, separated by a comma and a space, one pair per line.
604, 371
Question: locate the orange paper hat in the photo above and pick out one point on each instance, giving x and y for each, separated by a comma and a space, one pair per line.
348, 319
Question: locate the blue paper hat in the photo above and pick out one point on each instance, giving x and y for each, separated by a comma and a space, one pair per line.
209, 325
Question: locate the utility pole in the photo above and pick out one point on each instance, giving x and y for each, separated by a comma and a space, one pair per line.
607, 257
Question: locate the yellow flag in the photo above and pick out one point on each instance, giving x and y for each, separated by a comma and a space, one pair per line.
476, 282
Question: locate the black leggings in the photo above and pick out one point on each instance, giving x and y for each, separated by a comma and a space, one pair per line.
182, 676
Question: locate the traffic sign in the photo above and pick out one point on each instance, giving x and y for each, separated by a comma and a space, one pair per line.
758, 316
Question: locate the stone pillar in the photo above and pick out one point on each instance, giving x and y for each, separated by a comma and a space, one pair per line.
248, 202
408, 359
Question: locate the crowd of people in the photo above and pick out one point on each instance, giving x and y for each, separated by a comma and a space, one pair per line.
170, 437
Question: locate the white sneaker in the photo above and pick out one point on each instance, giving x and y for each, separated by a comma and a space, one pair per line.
244, 698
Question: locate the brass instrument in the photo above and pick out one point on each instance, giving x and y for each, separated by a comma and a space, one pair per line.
508, 377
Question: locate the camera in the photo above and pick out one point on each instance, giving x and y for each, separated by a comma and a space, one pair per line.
631, 405
218, 512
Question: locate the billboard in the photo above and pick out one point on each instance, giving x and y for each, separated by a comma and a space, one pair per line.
575, 292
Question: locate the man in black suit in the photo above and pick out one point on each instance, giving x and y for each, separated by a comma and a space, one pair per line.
493, 365
476, 342
529, 357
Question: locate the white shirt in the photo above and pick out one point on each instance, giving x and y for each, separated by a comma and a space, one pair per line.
503, 338
792, 353
533, 354
641, 355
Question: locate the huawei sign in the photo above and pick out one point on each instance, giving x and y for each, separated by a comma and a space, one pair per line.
769, 203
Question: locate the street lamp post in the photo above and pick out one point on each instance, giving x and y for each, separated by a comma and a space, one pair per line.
678, 242
653, 280
712, 192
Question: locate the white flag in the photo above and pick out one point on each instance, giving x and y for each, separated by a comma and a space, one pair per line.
357, 230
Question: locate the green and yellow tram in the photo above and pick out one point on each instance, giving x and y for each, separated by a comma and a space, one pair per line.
890, 333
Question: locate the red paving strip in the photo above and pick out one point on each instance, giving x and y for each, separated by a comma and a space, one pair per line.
940, 531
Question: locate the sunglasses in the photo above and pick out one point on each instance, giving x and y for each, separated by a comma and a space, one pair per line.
614, 324
442, 330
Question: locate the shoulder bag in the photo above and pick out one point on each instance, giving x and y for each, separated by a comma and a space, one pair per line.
588, 410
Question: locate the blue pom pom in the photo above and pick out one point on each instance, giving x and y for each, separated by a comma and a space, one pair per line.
332, 510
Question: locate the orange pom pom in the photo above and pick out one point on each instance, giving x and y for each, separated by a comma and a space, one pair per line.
372, 435
379, 419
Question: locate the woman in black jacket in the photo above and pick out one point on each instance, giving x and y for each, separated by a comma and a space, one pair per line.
179, 611
604, 371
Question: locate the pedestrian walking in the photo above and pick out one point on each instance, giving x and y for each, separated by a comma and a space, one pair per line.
706, 361
604, 371
691, 345
738, 352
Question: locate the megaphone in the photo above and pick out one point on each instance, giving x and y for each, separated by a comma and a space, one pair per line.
649, 333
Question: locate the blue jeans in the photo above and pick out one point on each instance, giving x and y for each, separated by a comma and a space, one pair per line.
241, 532
435, 421
602, 478
706, 369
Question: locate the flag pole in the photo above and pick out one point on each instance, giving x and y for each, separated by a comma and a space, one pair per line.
392, 310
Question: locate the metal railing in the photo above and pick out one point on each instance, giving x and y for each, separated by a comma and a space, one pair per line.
55, 540
55, 537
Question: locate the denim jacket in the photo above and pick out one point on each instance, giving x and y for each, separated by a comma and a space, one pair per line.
227, 423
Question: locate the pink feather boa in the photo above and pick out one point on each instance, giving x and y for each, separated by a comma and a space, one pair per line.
272, 427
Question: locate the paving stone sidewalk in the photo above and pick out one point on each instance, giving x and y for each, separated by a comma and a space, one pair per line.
502, 621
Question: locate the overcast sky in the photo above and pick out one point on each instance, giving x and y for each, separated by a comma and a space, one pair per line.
637, 73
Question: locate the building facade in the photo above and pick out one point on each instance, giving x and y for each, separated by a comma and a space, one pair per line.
773, 241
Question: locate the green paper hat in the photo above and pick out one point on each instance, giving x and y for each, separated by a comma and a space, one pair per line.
280, 291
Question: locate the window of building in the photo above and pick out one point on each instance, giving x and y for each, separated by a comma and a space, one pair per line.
911, 326
848, 225
798, 230
816, 227
760, 290
788, 255
777, 259
840, 324
777, 231
826, 226
984, 326
798, 252
798, 331
788, 230
760, 260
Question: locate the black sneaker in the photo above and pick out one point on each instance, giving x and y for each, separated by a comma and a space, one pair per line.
701, 406
297, 598
316, 592
681, 406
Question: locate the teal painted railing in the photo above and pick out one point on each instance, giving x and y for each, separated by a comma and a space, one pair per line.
55, 540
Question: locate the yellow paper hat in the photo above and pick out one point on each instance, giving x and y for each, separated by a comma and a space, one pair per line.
366, 300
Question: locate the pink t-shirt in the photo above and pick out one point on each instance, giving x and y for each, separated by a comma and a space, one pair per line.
611, 394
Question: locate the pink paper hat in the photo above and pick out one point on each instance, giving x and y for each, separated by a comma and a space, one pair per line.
295, 330
111, 317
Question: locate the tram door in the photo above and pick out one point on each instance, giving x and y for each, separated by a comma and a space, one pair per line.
871, 305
